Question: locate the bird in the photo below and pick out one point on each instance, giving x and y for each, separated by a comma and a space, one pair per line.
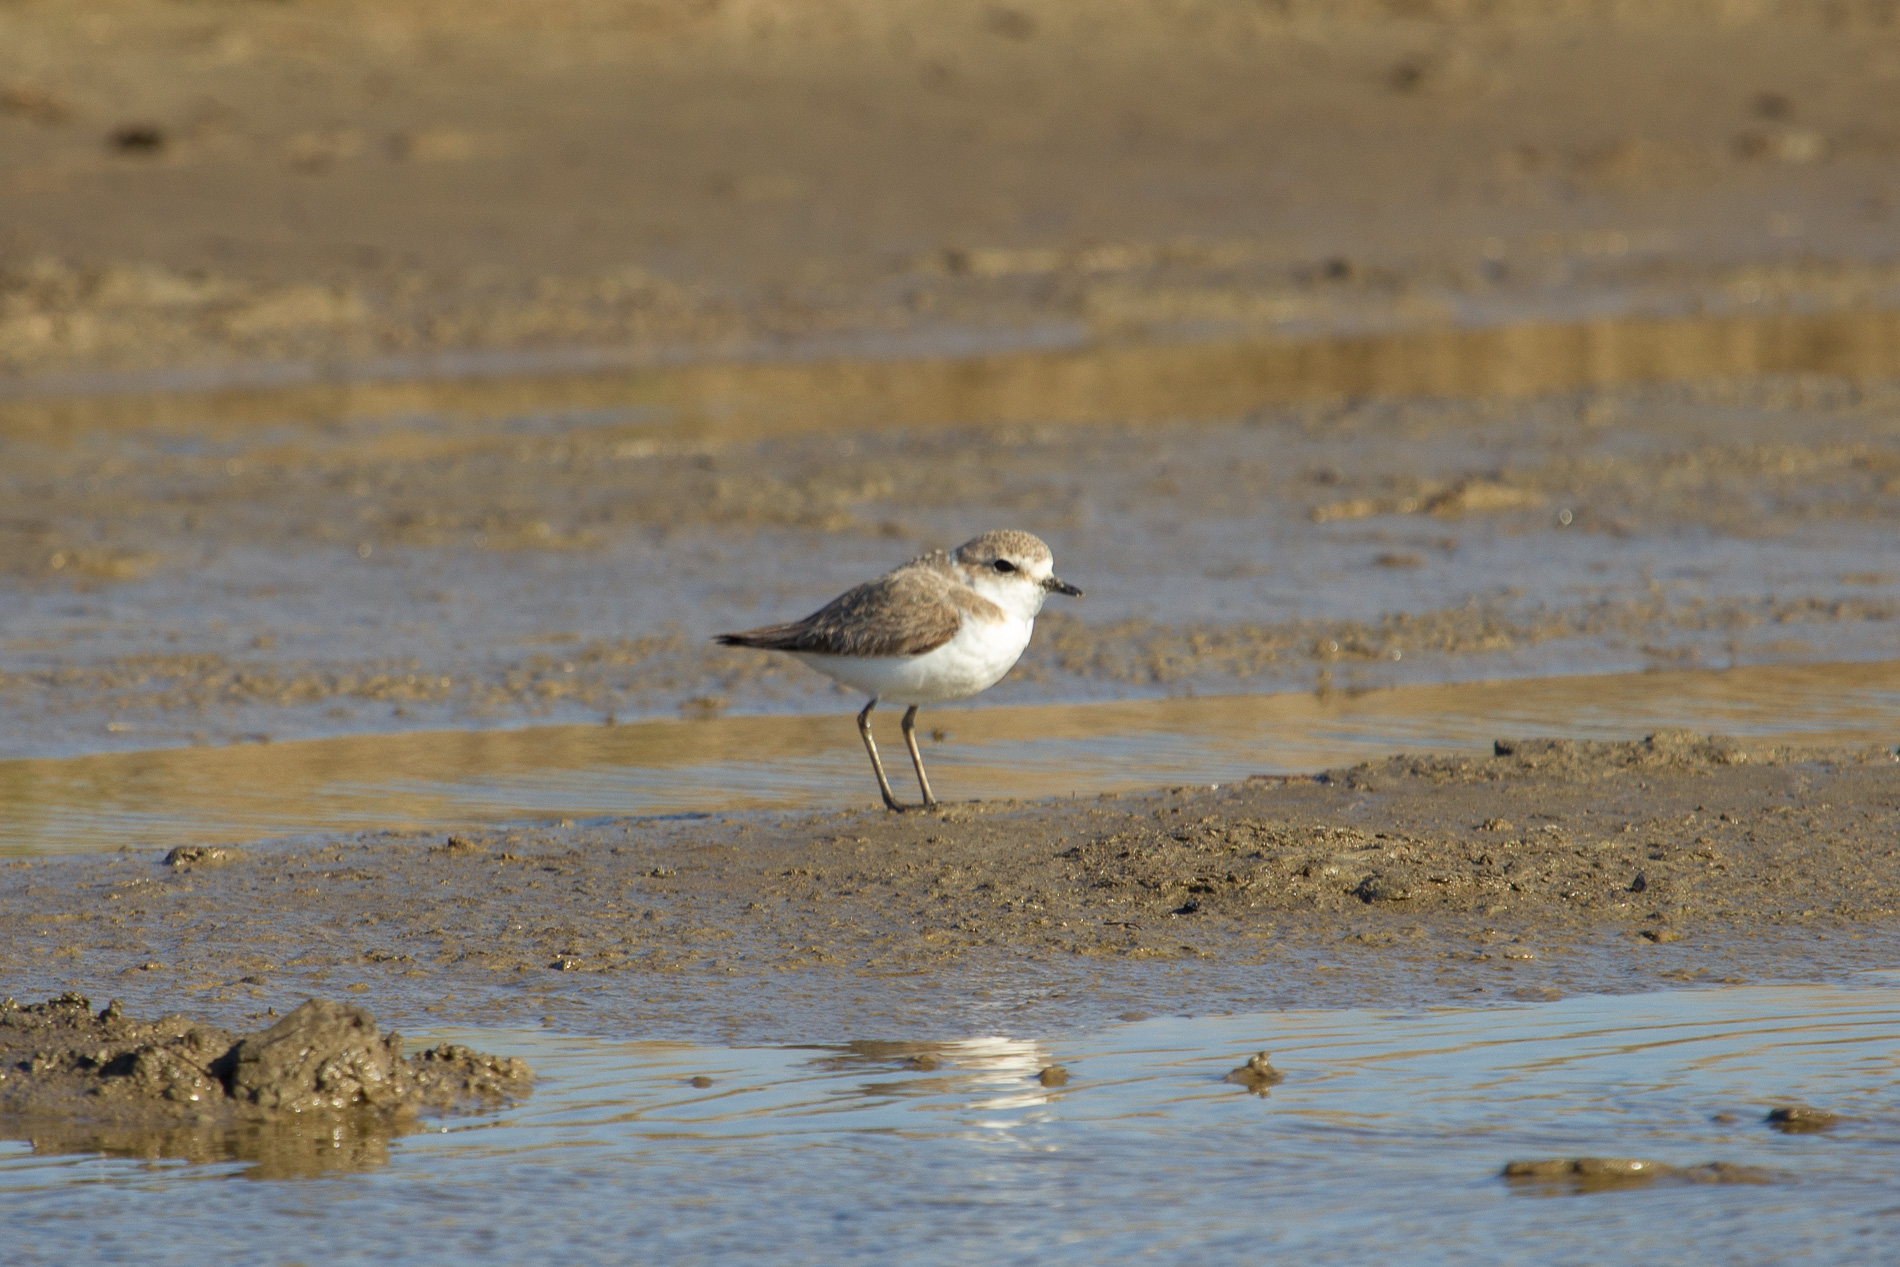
942, 627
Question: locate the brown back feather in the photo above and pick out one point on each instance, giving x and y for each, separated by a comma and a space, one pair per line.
915, 609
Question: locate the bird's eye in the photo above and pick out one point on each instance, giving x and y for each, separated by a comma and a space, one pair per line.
1003, 565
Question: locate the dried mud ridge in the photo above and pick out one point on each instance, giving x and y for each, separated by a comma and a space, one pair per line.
1547, 867
71, 1078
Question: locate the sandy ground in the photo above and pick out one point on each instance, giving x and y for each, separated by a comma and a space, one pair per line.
230, 183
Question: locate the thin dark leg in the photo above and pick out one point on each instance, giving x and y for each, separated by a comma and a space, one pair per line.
916, 758
870, 746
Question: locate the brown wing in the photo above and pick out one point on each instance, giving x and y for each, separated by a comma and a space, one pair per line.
906, 612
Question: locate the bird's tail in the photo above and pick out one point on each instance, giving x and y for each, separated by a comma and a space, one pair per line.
768, 638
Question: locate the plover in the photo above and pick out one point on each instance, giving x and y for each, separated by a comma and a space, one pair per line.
944, 626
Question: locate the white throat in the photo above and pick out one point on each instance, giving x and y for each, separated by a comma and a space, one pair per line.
1018, 595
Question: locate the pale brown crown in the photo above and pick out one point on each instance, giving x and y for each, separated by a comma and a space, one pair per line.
1005, 543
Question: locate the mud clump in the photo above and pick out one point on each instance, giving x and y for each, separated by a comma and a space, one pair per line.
75, 1080
187, 856
456, 846
1802, 1119
1382, 886
329, 1056
1257, 1074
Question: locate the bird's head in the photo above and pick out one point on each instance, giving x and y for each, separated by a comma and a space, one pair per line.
1014, 570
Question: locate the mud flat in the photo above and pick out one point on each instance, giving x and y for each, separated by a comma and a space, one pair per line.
1543, 869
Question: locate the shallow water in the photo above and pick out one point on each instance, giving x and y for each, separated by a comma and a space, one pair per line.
453, 778
1414, 506
1383, 1143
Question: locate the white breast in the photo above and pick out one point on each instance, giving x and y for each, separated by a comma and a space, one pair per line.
975, 659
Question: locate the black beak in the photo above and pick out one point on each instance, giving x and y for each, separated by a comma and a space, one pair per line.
1056, 585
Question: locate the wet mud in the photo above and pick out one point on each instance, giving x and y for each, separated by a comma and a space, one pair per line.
1802, 1119
1600, 1174
320, 1090
1548, 868
1258, 1075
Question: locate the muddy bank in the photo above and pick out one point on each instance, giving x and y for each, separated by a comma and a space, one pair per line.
1544, 869
320, 1090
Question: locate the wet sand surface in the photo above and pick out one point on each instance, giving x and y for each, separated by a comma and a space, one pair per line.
1551, 868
